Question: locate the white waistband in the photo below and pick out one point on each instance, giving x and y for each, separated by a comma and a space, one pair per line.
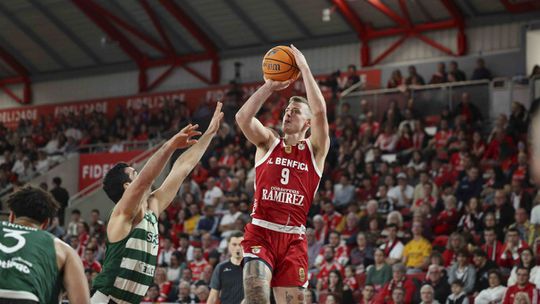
17, 294
278, 227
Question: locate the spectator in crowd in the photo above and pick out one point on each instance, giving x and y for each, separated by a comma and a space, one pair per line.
331, 218
176, 267
198, 264
395, 80
481, 72
492, 246
55, 228
455, 74
392, 247
335, 286
440, 76
435, 278
471, 221
414, 78
185, 295
469, 111
208, 222
504, 213
380, 273
399, 279
343, 192
470, 186
314, 247
525, 229
456, 243
152, 295
166, 252
402, 194
495, 292
527, 260
352, 76
519, 198
483, 268
97, 226
462, 270
416, 252
89, 260
427, 295
458, 296
164, 286
522, 285
398, 296
368, 295
61, 195
361, 256
510, 256
329, 264
213, 194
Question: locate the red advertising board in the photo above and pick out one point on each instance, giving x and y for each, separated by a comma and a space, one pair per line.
94, 166
11, 117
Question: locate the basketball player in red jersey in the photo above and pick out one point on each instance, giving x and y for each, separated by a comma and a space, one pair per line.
287, 174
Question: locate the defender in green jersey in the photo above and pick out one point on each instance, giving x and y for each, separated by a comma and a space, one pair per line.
132, 232
34, 264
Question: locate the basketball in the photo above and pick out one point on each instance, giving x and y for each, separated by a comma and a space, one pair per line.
279, 64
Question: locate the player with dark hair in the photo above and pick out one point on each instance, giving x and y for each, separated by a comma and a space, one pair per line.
288, 171
34, 264
132, 231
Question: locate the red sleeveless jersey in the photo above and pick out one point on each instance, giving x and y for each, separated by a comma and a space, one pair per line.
286, 180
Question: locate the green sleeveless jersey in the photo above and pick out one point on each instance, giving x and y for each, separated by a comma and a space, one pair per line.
28, 264
129, 265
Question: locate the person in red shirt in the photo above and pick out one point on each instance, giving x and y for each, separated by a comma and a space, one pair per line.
89, 261
440, 140
522, 285
447, 220
399, 279
198, 264
153, 295
331, 217
329, 264
492, 246
512, 249
160, 279
456, 243
84, 237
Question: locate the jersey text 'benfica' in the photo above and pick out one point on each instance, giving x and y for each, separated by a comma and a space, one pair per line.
286, 180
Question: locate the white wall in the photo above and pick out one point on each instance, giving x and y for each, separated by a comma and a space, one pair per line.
533, 47
497, 43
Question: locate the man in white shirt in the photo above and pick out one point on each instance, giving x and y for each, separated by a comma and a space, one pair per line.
165, 254
402, 194
393, 247
213, 194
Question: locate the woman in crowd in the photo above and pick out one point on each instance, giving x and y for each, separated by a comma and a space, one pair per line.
380, 273
495, 292
464, 271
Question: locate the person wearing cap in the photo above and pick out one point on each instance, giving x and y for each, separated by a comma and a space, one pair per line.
402, 194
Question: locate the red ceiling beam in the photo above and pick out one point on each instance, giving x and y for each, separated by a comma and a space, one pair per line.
521, 7
198, 34
23, 78
388, 12
405, 28
126, 26
129, 48
109, 22
157, 24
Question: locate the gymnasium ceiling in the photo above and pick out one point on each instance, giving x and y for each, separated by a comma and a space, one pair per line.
55, 39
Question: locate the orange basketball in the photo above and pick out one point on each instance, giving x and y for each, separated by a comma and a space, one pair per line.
279, 64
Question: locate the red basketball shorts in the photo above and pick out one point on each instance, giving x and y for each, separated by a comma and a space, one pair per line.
285, 253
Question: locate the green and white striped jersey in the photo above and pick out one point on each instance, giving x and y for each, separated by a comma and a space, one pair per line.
129, 265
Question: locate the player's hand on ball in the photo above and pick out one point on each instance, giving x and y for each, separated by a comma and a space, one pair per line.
184, 138
213, 127
301, 62
275, 85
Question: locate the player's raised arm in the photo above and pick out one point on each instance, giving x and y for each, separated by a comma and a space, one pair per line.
252, 128
128, 205
186, 162
319, 123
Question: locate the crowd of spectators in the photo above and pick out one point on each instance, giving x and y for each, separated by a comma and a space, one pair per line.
401, 216
34, 147
441, 75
